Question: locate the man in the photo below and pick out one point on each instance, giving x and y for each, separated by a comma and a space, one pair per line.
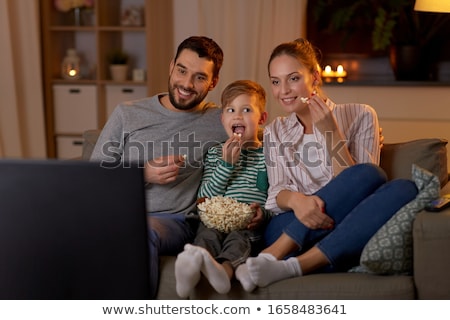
169, 134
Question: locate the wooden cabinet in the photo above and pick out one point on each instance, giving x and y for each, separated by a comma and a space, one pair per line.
118, 93
73, 106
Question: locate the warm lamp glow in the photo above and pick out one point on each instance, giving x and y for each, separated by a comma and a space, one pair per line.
432, 5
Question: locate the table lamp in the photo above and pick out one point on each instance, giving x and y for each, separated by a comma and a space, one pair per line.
432, 5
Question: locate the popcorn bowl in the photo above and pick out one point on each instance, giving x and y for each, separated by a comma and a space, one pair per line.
225, 214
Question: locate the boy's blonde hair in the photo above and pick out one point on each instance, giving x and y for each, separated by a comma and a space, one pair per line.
249, 87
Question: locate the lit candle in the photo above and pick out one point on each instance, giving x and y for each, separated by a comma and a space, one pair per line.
327, 72
340, 72
73, 73
70, 68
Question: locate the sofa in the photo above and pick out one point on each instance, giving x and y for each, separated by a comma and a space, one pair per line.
429, 277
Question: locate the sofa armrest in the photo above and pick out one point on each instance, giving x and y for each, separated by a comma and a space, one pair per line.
446, 188
431, 234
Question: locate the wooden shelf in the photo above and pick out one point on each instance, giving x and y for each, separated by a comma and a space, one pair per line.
146, 44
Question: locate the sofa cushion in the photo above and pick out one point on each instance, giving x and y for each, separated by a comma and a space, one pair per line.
431, 154
390, 250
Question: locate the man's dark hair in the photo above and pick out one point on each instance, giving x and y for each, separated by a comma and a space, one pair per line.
205, 48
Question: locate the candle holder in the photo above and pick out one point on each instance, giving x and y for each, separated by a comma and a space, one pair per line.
70, 68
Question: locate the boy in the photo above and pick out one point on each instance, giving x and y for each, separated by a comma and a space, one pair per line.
233, 169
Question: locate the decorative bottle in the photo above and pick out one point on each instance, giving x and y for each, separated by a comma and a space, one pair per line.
70, 69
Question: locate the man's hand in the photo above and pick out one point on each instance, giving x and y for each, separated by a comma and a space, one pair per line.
163, 170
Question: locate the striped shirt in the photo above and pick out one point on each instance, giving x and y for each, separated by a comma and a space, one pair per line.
246, 181
299, 162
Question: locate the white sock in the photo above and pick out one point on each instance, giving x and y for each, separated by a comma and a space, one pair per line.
244, 278
266, 269
187, 272
213, 271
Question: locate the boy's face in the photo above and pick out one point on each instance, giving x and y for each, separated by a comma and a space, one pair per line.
243, 116
190, 80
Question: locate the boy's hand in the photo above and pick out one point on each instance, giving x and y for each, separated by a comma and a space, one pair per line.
232, 149
258, 218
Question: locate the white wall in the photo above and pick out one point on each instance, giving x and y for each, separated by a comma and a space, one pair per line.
246, 30
405, 112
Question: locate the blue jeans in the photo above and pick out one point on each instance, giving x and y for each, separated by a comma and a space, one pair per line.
360, 201
167, 235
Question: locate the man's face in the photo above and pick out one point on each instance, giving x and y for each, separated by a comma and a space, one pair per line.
190, 80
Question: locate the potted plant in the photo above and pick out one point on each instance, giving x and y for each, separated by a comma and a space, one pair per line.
394, 28
118, 64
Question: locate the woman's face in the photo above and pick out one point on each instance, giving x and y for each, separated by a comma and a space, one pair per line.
290, 81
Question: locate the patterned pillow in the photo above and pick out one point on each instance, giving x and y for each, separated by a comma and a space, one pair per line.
390, 250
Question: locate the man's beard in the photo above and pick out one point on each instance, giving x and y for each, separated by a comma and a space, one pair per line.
184, 106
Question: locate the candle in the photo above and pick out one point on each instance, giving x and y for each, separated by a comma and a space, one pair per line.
70, 68
72, 73
327, 72
340, 72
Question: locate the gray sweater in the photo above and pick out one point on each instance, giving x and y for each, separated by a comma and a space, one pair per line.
141, 130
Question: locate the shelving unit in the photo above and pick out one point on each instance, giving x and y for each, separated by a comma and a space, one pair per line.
73, 106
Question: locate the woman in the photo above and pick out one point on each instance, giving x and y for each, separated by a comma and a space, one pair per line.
327, 193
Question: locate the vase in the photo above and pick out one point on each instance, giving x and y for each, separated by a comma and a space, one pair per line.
77, 16
118, 72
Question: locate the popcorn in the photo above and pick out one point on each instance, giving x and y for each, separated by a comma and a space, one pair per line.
225, 214
304, 99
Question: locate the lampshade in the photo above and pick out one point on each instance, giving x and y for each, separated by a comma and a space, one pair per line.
432, 5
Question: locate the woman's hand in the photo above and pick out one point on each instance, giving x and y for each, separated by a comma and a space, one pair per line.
309, 210
163, 170
258, 218
321, 115
381, 138
336, 142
